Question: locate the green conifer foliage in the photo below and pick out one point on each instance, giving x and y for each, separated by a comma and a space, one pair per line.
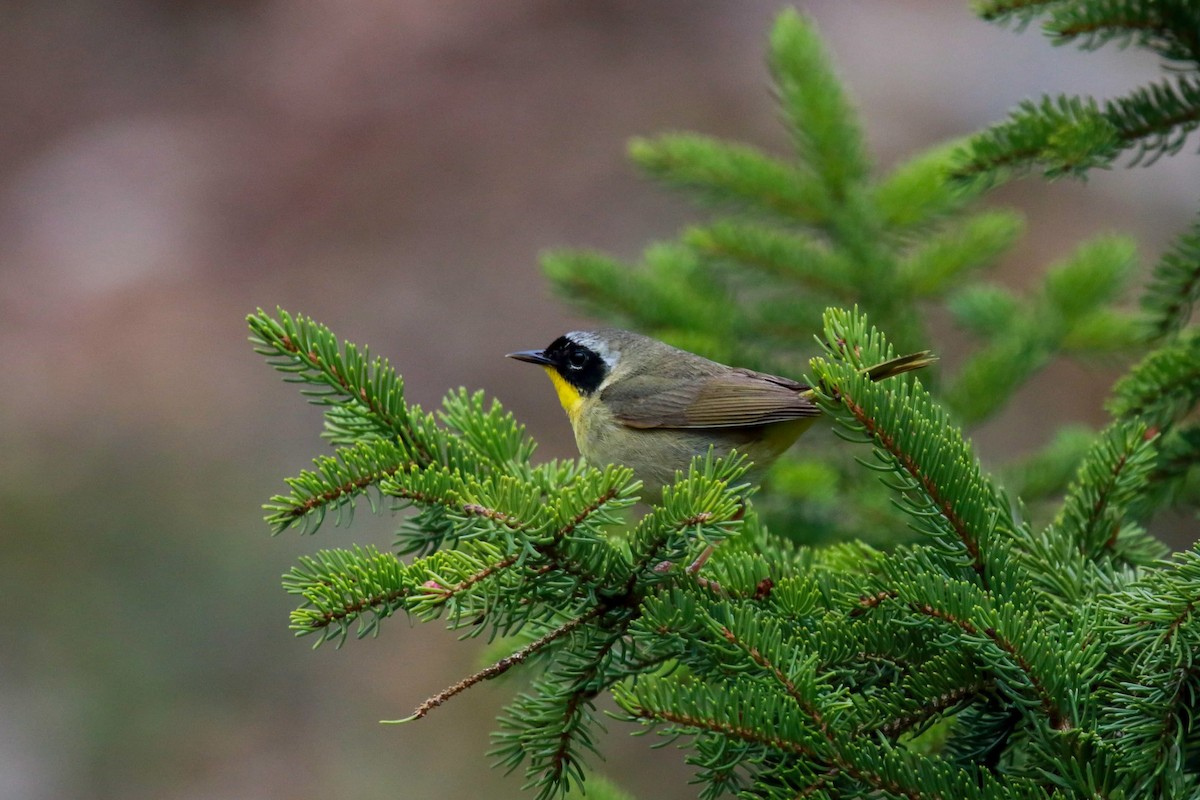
984, 654
793, 235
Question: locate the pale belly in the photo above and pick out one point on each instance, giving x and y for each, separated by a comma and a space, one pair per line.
655, 455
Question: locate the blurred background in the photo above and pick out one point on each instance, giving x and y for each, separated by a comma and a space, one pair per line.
392, 169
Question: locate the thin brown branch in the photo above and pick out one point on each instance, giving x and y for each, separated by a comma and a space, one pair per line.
336, 615
314, 360
1102, 497
495, 515
586, 512
342, 490
503, 665
448, 592
700, 561
1080, 29
870, 601
1058, 720
1129, 135
1180, 619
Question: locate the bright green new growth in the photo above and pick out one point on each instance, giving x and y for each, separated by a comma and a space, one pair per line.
992, 653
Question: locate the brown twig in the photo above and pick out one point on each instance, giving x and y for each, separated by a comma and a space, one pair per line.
502, 666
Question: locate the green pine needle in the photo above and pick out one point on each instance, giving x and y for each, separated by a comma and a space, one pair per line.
989, 656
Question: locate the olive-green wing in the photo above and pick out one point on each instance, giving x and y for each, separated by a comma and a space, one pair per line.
734, 398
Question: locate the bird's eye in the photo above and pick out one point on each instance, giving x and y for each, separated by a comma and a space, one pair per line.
577, 359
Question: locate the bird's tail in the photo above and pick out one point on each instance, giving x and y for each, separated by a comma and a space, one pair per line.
898, 366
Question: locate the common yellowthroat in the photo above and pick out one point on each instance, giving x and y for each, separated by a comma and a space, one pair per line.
639, 402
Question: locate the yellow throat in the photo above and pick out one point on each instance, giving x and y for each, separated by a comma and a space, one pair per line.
568, 395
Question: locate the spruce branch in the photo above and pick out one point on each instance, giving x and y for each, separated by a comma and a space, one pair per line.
1152, 698
478, 507
943, 259
1164, 625
441, 593
1157, 118
985, 309
764, 643
766, 648
1069, 135
503, 665
993, 373
308, 353
539, 552
1174, 286
859, 243
385, 437
777, 253
993, 658
352, 472
742, 713
1093, 276
1010, 641
933, 707
748, 714
1163, 387
983, 734
823, 124
908, 695
490, 432
724, 640
549, 725
700, 509
732, 174
1113, 475
1069, 313
1179, 453
1006, 10
1164, 26
1155, 715
921, 193
341, 586
937, 475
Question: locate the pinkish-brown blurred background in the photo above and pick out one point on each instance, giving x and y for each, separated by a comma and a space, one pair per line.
392, 169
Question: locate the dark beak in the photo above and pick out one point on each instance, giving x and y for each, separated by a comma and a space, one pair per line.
532, 356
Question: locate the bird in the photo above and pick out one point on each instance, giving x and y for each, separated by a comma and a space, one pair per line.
639, 402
